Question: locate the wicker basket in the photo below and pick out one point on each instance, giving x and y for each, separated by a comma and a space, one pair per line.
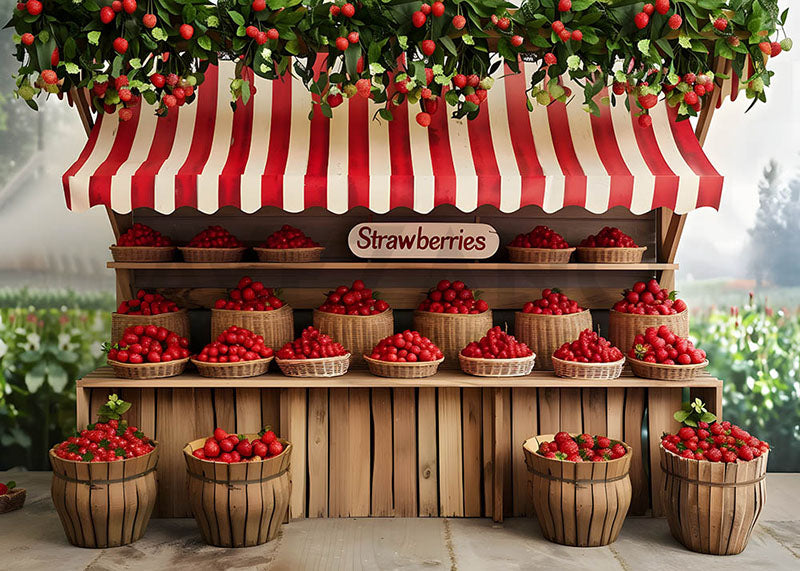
582, 504
416, 370
13, 500
357, 333
276, 326
661, 372
624, 327
611, 255
142, 253
211, 254
148, 370
290, 254
574, 370
326, 367
546, 333
175, 321
518, 367
539, 255
451, 332
238, 370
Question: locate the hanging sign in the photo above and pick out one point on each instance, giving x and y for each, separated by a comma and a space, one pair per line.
423, 240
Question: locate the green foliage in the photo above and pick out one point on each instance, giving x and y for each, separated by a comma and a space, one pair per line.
692, 413
113, 409
42, 351
756, 351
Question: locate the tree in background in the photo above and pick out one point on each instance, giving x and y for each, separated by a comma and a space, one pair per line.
774, 258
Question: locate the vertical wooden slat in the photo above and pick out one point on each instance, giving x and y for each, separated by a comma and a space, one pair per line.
225, 409
451, 485
661, 404
271, 408
248, 411
293, 428
166, 434
426, 450
549, 411
382, 459
147, 421
203, 413
634, 417
134, 414
524, 425
184, 431
498, 461
595, 421
405, 452
98, 398
318, 453
471, 414
339, 451
615, 413
360, 452
504, 442
571, 413
82, 397
487, 405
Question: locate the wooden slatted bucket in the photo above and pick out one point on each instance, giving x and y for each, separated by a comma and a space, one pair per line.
242, 504
104, 504
579, 504
712, 507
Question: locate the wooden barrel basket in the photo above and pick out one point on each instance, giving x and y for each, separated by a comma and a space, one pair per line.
546, 333
104, 504
579, 504
712, 507
451, 332
242, 504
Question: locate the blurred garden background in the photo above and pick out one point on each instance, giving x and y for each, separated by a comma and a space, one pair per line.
740, 269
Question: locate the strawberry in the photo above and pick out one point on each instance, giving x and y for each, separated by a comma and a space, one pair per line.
586, 441
577, 36
120, 45
275, 448
765, 47
496, 344
603, 442
714, 455
648, 9
220, 434
418, 19
645, 121
459, 22
34, 7
438, 9
244, 448
226, 445
311, 345
662, 6
49, 76
268, 437
561, 437
406, 347
516, 41
428, 47
776, 49
149, 21
557, 26
568, 447
564, 5
341, 43
273, 34
259, 5
260, 449
348, 10
609, 237
648, 100
588, 348
27, 38
641, 20
550, 58
211, 448
352, 37
129, 6
721, 23
686, 433
107, 14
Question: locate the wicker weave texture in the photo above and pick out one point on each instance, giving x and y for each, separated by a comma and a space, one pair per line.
176, 321
546, 333
598, 371
611, 255
451, 332
293, 255
358, 334
326, 367
276, 326
539, 255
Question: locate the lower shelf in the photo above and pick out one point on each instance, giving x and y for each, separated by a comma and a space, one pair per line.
104, 377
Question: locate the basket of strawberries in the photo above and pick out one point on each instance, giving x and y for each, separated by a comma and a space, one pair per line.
610, 246
149, 308
239, 486
588, 475
497, 354
547, 323
313, 354
11, 497
540, 246
236, 353
355, 318
588, 357
660, 354
142, 244
214, 244
452, 315
148, 352
406, 355
645, 305
104, 480
289, 244
714, 481
257, 308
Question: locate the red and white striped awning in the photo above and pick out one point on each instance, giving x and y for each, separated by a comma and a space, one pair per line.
268, 153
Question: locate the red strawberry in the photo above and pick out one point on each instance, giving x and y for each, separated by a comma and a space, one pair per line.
120, 45
586, 441
348, 10
459, 22
721, 23
245, 448
641, 20
424, 119
268, 437
603, 442
149, 21
107, 14
260, 449
275, 448
662, 6
211, 449
418, 19
686, 432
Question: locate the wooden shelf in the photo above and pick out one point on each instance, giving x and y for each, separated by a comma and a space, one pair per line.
492, 266
104, 378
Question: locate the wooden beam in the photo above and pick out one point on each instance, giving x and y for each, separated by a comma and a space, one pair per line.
80, 98
710, 104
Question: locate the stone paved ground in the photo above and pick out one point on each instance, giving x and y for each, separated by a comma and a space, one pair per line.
32, 539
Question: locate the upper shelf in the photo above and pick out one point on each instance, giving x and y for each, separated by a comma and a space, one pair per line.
366, 265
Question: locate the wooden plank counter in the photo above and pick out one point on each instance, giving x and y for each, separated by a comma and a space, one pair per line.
448, 445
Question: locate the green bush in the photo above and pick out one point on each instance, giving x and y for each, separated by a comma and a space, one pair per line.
47, 340
756, 352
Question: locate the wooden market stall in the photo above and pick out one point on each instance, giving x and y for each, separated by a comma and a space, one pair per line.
448, 445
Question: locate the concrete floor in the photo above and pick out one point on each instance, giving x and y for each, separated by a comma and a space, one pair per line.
32, 539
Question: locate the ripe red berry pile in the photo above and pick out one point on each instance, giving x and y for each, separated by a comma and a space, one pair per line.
662, 346
453, 297
357, 299
230, 448
6, 487
406, 347
717, 442
649, 299
582, 448
497, 344
589, 347
105, 442
553, 302
540, 237
147, 304
234, 345
311, 345
289, 237
215, 237
250, 296
609, 238
149, 344
141, 235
